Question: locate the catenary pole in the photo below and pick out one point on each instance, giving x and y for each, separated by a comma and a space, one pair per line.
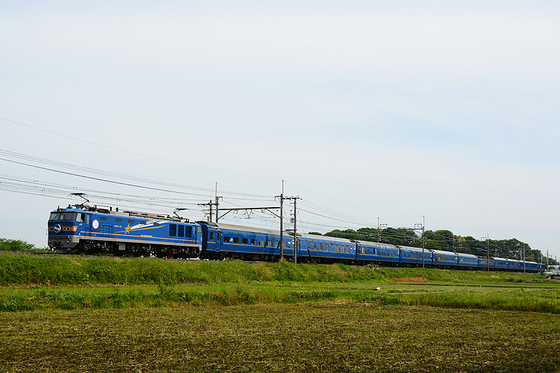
282, 222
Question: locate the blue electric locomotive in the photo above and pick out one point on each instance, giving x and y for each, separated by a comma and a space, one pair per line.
85, 229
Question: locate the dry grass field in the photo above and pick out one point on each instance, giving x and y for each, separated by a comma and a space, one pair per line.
308, 337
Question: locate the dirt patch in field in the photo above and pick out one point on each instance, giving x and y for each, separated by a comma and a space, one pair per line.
409, 279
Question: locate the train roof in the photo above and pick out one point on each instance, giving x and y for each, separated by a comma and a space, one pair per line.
324, 238
371, 243
412, 248
442, 252
465, 255
234, 227
125, 213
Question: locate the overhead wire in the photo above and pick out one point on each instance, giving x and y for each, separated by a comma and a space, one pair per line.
78, 171
52, 190
127, 151
29, 160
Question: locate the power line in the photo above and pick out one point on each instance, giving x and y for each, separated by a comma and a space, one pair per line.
130, 152
31, 161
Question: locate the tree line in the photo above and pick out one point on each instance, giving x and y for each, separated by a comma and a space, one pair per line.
19, 245
445, 240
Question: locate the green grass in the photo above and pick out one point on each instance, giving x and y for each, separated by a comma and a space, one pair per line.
27, 269
531, 299
310, 337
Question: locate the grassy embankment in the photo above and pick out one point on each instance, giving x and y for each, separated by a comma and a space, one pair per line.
30, 282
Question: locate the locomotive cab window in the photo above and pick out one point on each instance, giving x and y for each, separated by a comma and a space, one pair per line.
67, 216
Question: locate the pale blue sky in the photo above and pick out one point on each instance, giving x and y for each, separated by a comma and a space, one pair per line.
371, 109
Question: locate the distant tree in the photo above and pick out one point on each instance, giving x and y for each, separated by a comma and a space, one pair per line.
461, 245
398, 236
15, 245
369, 234
432, 244
445, 239
348, 234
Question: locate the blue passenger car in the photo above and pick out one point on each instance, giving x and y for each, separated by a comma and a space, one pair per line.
412, 256
377, 253
444, 259
467, 261
89, 229
515, 265
233, 241
531, 267
325, 249
485, 264
500, 264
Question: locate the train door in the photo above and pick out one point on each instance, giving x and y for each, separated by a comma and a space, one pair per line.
212, 240
87, 225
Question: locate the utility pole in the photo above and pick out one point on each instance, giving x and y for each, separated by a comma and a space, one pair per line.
453, 244
295, 231
217, 202
217, 206
208, 204
423, 227
212, 204
281, 196
295, 225
487, 238
488, 252
379, 228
